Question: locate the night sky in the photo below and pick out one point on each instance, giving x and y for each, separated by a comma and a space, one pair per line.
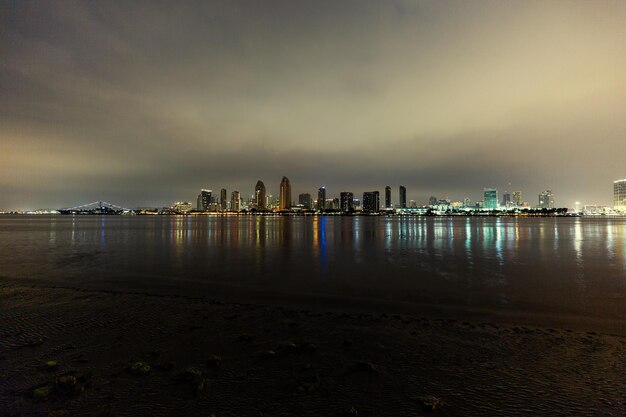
144, 103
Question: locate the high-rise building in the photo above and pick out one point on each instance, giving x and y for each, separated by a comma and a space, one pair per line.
467, 202
432, 200
346, 201
235, 201
182, 206
490, 198
371, 201
619, 195
517, 198
285, 194
546, 199
412, 203
321, 199
402, 196
223, 199
305, 200
506, 199
204, 200
259, 195
388, 197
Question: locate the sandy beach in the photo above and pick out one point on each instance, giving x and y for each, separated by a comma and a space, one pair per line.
76, 352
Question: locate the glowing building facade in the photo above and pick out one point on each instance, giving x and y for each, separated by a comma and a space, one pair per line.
285, 194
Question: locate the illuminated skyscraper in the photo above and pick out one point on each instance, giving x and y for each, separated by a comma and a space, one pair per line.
432, 200
223, 199
285, 194
517, 198
371, 201
490, 198
305, 200
546, 199
204, 200
402, 196
388, 197
321, 199
619, 195
259, 195
346, 202
235, 201
506, 199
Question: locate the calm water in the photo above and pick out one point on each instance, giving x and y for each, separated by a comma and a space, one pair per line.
545, 265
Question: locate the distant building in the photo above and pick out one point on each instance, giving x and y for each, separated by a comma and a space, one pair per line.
223, 199
285, 194
182, 206
305, 200
506, 199
388, 197
432, 200
371, 201
467, 202
546, 199
204, 200
412, 204
356, 203
235, 201
346, 202
517, 198
619, 195
490, 198
259, 195
321, 199
402, 196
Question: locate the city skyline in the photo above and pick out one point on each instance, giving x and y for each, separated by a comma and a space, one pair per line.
142, 104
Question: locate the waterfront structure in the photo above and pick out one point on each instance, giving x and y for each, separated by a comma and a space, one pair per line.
371, 201
388, 197
546, 199
235, 201
204, 200
402, 196
517, 198
321, 199
346, 199
490, 198
223, 199
305, 200
285, 194
182, 206
619, 195
259, 195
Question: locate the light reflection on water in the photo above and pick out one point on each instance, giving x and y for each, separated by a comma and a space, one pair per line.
545, 264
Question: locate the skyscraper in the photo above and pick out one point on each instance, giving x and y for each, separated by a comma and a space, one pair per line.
432, 200
517, 198
506, 199
223, 199
346, 202
285, 194
259, 195
546, 199
204, 200
490, 198
402, 196
371, 201
235, 201
619, 195
305, 200
321, 199
388, 197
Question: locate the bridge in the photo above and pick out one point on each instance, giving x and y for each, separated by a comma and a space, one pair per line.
97, 207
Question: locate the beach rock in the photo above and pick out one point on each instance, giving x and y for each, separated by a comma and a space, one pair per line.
139, 368
58, 413
267, 354
363, 366
214, 362
165, 366
41, 393
50, 365
310, 384
245, 338
352, 412
193, 378
430, 402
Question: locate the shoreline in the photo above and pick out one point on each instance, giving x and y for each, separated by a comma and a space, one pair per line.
280, 360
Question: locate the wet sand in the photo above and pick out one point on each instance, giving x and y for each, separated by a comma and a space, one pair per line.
128, 354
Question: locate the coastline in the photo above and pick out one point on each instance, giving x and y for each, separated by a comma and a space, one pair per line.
281, 360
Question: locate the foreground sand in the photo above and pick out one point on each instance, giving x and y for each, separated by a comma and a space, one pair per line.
140, 354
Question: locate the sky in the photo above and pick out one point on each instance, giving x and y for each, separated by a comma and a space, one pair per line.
145, 103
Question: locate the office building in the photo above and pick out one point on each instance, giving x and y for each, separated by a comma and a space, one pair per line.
223, 199
321, 199
204, 200
517, 198
305, 200
347, 205
285, 194
182, 206
546, 199
619, 195
402, 196
371, 201
388, 197
506, 199
412, 204
490, 198
432, 200
259, 195
235, 201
